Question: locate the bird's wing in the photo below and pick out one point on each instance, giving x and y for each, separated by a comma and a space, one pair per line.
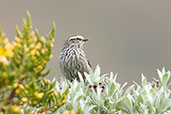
88, 61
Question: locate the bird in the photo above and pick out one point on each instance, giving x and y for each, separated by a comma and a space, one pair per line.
73, 59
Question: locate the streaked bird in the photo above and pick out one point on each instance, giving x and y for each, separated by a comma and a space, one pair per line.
73, 58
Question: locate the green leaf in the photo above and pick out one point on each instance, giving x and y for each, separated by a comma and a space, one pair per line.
165, 79
143, 80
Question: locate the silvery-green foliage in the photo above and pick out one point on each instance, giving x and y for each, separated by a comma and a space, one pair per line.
104, 95
148, 98
96, 99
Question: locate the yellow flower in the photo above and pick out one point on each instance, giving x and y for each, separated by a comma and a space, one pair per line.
9, 53
17, 39
33, 52
31, 34
35, 102
17, 91
43, 50
35, 39
66, 112
44, 62
59, 104
58, 94
32, 45
39, 67
24, 99
2, 51
4, 107
18, 45
39, 95
16, 109
54, 93
30, 39
64, 101
25, 91
32, 57
51, 45
42, 39
38, 54
39, 45
9, 46
36, 87
64, 95
21, 86
15, 85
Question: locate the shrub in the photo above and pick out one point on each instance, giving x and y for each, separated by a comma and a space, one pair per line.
23, 86
104, 95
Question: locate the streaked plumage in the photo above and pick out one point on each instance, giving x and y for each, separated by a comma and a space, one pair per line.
73, 58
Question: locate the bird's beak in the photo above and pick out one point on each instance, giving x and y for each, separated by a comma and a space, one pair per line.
85, 39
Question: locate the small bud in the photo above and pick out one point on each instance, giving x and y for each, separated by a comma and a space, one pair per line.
24, 99
90, 86
38, 46
33, 52
64, 101
64, 95
103, 87
16, 109
32, 34
17, 91
153, 84
21, 86
32, 45
25, 91
44, 62
35, 39
42, 39
157, 83
15, 85
43, 51
59, 104
94, 86
4, 107
17, 39
39, 95
39, 67
35, 102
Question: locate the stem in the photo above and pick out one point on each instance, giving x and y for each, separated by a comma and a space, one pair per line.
12, 95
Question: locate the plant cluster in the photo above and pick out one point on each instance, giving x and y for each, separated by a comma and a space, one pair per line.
23, 86
104, 95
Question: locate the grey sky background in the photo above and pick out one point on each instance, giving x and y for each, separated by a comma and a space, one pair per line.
129, 37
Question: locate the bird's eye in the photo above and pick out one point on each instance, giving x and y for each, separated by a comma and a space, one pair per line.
78, 39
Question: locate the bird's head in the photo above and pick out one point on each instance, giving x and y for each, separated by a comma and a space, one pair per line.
76, 40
